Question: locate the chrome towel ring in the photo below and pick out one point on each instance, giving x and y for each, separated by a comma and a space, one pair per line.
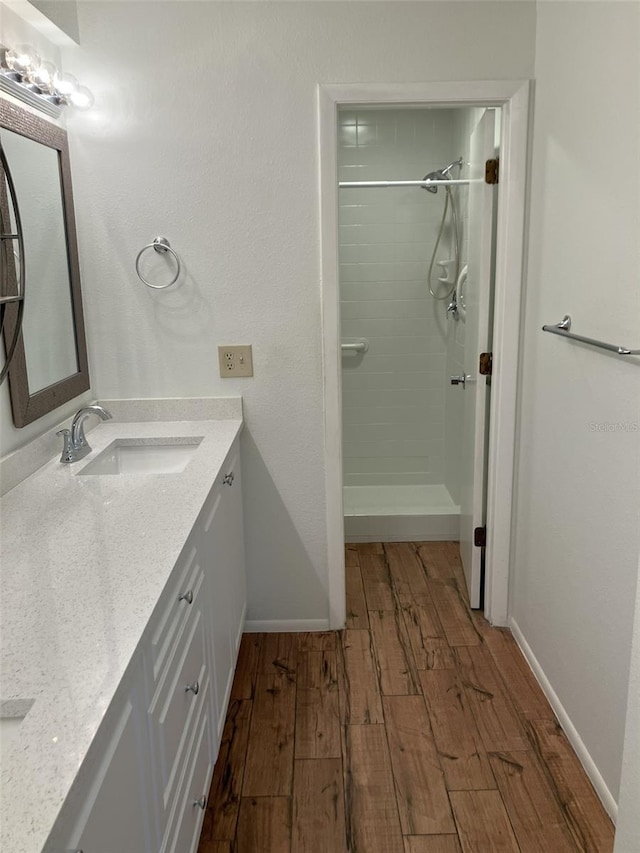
161, 245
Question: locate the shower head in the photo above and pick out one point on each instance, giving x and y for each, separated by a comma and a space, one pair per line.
442, 174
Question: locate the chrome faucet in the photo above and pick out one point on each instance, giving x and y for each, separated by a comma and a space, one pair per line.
76, 445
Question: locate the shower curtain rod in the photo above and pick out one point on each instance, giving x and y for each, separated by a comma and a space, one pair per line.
446, 183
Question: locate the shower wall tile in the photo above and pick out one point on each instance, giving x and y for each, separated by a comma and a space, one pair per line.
394, 447
414, 380
432, 399
389, 363
393, 395
419, 478
421, 418
373, 309
400, 270
396, 328
357, 291
385, 253
400, 345
428, 429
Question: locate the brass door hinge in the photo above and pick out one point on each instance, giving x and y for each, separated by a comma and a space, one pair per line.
480, 537
486, 364
491, 170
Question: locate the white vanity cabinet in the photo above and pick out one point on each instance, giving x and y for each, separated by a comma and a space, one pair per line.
117, 788
221, 549
149, 792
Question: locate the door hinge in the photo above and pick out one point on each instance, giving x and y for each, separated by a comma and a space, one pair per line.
491, 171
486, 364
480, 537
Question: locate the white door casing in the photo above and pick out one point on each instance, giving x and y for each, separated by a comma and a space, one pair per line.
513, 97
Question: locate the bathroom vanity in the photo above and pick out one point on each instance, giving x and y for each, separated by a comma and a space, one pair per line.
123, 603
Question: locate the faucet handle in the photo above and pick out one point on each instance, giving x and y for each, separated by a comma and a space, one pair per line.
67, 451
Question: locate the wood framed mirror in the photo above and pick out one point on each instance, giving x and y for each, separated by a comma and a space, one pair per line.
50, 365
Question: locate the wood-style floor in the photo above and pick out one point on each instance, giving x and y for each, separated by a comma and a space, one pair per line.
419, 729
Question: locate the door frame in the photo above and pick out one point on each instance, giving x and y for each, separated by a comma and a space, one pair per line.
513, 97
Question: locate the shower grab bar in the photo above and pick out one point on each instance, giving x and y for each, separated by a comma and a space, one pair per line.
360, 346
449, 182
563, 328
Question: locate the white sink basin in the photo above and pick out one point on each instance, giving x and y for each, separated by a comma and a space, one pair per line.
144, 456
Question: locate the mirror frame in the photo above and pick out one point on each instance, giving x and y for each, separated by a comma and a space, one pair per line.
28, 407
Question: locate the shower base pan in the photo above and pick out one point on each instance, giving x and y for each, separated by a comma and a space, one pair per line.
400, 514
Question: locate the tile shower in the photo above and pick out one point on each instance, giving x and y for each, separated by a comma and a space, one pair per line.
401, 418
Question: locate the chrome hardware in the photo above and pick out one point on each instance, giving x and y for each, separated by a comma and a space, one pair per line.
76, 445
67, 452
359, 346
193, 688
162, 246
201, 802
186, 596
458, 380
228, 479
564, 328
452, 307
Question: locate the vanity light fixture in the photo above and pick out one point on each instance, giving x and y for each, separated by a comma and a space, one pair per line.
25, 75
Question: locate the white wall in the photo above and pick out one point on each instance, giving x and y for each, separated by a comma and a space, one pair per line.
393, 396
205, 130
578, 483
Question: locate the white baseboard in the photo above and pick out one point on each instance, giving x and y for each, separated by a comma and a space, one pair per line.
271, 626
241, 629
436, 527
567, 726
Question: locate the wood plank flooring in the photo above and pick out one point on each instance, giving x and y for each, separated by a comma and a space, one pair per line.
418, 729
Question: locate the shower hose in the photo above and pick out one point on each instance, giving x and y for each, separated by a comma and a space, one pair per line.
454, 215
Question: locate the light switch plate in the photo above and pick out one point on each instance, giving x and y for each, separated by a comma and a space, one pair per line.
235, 361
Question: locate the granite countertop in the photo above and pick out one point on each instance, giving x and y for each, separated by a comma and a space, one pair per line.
84, 561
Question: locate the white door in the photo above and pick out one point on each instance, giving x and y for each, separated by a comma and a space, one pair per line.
476, 298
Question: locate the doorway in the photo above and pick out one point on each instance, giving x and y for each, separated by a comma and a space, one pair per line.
415, 305
512, 99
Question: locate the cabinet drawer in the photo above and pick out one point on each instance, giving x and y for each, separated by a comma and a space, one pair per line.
174, 611
181, 693
187, 823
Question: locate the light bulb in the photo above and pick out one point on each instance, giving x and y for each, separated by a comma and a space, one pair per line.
22, 59
65, 84
82, 98
43, 76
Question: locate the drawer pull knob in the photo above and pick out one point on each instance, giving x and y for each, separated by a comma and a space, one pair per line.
201, 803
228, 479
186, 596
192, 688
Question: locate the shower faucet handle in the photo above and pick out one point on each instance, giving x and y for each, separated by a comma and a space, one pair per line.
458, 380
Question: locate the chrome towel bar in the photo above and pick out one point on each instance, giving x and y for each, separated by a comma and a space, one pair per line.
360, 346
564, 329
